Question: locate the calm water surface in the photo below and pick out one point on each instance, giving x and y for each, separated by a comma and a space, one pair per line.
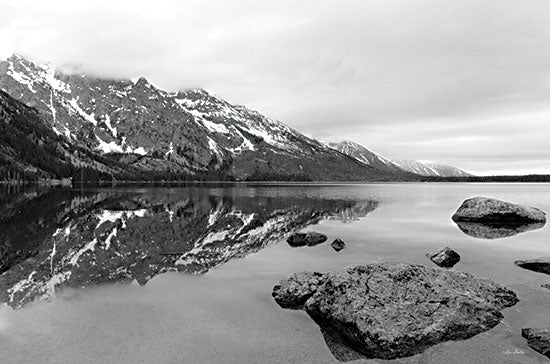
184, 275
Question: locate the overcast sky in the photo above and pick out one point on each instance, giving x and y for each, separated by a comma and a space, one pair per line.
465, 83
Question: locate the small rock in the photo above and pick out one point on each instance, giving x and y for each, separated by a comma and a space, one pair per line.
538, 339
338, 244
445, 257
310, 238
394, 310
545, 285
540, 265
493, 211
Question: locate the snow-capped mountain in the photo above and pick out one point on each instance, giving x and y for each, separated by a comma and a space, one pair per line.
364, 155
431, 169
144, 128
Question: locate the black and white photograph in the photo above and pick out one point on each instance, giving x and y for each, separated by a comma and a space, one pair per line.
286, 182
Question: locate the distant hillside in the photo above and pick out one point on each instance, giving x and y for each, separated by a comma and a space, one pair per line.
431, 169
367, 157
496, 179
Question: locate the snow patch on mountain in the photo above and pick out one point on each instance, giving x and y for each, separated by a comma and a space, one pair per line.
170, 151
111, 147
22, 78
214, 127
88, 117
215, 148
114, 147
48, 74
107, 121
88, 247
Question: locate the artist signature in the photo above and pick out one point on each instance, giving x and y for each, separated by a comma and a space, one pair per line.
513, 352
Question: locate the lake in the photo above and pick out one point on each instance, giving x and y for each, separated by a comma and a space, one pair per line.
185, 275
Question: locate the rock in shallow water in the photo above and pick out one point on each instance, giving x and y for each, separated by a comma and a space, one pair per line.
538, 339
493, 211
310, 238
445, 257
338, 244
394, 310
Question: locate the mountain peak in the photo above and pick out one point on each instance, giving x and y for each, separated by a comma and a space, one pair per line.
15, 57
142, 81
350, 147
196, 92
352, 144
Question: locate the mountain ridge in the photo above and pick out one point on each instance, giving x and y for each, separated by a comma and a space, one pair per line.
431, 169
148, 130
364, 155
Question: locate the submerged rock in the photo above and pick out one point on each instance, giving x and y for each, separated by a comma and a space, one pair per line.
493, 211
310, 238
338, 244
394, 310
538, 339
489, 231
445, 257
540, 265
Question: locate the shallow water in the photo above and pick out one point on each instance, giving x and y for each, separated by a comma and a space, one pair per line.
207, 258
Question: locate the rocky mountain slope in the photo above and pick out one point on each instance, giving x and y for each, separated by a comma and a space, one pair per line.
30, 149
431, 169
364, 155
188, 132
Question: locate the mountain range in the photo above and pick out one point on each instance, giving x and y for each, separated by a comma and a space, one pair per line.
61, 125
431, 169
368, 157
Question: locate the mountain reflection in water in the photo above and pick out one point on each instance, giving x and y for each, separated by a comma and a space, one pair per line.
63, 238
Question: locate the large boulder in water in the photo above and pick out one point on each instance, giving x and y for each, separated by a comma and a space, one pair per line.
496, 212
538, 339
393, 310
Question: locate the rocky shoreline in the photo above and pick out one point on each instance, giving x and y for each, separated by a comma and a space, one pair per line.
394, 309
